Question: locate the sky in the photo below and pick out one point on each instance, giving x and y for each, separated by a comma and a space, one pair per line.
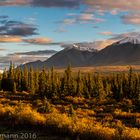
37, 29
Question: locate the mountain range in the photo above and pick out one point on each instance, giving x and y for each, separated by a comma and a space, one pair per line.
123, 52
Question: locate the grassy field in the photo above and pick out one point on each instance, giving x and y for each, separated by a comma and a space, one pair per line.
104, 69
68, 118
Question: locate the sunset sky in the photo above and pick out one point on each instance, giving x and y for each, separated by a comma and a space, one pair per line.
34, 25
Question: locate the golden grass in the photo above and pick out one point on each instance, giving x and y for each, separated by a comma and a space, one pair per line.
21, 114
84, 127
121, 114
84, 123
131, 134
101, 69
25, 114
85, 112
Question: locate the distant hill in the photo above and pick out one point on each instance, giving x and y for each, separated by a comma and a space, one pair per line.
75, 56
123, 52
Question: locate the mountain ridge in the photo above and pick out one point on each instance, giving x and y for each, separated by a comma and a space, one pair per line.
71, 55
123, 52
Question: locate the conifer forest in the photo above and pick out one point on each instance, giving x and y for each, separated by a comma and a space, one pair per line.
70, 105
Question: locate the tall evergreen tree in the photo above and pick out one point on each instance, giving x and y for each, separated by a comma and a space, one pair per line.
100, 92
36, 80
4, 75
14, 88
42, 82
53, 83
79, 87
68, 80
86, 92
25, 79
115, 88
31, 83
137, 87
130, 83
18, 79
11, 71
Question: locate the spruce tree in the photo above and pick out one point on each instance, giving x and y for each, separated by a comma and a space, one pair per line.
42, 82
115, 89
53, 83
130, 83
86, 90
68, 80
72, 91
62, 87
10, 80
4, 80
25, 79
18, 79
99, 88
31, 83
79, 88
4, 75
121, 94
48, 85
11, 71
14, 88
108, 89
36, 80
137, 87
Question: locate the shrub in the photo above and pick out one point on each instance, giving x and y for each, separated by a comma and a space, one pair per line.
131, 134
71, 111
27, 114
137, 122
46, 108
127, 105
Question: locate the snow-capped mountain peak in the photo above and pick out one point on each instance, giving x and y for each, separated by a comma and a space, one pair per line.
81, 46
85, 47
133, 40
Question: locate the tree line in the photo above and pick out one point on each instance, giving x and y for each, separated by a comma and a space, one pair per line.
49, 84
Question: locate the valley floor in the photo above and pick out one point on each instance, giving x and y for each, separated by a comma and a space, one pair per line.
104, 69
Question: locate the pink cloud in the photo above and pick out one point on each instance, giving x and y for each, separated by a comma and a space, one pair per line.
133, 18
106, 33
